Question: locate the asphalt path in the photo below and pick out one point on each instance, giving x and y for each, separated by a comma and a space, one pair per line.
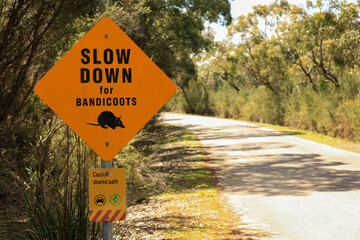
281, 186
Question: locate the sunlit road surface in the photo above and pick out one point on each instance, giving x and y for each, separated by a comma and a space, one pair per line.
281, 186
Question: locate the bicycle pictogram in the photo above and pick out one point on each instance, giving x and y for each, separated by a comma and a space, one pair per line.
115, 199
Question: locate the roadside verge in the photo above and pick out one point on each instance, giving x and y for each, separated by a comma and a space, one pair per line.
191, 206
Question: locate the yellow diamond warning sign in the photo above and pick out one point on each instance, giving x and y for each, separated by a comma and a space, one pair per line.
107, 194
105, 88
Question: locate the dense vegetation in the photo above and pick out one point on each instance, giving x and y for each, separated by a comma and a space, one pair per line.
43, 177
287, 65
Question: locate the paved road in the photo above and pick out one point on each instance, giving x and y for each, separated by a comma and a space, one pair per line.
281, 186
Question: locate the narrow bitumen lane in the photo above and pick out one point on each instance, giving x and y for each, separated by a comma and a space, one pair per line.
281, 186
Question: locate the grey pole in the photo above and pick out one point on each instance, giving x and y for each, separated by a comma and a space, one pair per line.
107, 227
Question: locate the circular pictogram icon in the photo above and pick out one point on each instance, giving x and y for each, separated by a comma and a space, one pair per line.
100, 200
115, 199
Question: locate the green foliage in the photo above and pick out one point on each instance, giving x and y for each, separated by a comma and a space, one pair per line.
347, 119
176, 103
263, 106
172, 32
61, 213
33, 34
194, 100
302, 70
227, 102
311, 111
198, 100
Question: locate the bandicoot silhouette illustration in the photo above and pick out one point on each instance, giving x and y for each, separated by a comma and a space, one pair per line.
108, 119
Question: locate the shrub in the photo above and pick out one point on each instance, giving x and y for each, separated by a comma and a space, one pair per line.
310, 110
348, 120
264, 106
227, 102
56, 206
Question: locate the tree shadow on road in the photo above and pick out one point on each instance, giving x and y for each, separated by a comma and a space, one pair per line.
289, 174
270, 167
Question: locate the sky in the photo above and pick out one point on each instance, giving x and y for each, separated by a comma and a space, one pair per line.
241, 7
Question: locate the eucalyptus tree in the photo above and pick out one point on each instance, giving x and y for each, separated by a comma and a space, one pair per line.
172, 33
257, 53
321, 41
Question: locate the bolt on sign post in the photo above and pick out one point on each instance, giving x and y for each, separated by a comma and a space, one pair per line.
105, 89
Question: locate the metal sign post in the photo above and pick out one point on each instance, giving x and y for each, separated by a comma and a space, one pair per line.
107, 227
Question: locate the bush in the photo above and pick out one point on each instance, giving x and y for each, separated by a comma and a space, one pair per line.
56, 205
298, 113
60, 214
176, 103
313, 111
347, 118
264, 106
195, 100
227, 102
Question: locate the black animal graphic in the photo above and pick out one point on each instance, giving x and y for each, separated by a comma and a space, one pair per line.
108, 119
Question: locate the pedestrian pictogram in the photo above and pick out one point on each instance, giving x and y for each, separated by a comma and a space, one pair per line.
107, 188
105, 89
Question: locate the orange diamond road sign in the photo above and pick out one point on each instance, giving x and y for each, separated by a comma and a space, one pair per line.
105, 89
107, 194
